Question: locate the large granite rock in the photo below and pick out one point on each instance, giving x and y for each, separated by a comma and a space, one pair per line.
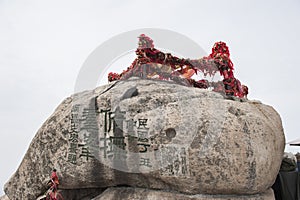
155, 135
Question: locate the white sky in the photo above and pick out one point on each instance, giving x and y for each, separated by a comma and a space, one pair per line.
44, 43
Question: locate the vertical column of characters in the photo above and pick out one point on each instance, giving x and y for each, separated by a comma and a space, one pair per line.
112, 144
73, 137
174, 161
89, 130
143, 142
105, 146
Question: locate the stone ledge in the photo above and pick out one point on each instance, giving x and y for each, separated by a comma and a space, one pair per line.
126, 193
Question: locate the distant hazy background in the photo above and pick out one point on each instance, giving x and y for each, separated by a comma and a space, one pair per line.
43, 44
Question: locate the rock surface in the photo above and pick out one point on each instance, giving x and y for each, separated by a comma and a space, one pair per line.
122, 193
154, 135
4, 197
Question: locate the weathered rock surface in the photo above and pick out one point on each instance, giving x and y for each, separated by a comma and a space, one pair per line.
122, 193
4, 197
154, 135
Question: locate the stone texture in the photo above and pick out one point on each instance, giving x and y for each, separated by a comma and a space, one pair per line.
196, 142
4, 197
123, 193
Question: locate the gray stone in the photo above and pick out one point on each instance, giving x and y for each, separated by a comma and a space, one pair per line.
4, 197
164, 136
123, 193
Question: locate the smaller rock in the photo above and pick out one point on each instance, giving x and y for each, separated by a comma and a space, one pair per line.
130, 193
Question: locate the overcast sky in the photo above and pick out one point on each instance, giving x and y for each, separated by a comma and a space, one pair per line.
43, 45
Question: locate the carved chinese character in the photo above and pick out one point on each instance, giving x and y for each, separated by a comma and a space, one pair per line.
142, 123
105, 146
73, 137
143, 144
108, 120
72, 158
73, 148
145, 162
85, 152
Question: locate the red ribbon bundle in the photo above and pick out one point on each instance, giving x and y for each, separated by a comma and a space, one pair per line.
154, 64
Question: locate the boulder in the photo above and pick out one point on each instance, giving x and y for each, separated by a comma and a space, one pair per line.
156, 135
121, 193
